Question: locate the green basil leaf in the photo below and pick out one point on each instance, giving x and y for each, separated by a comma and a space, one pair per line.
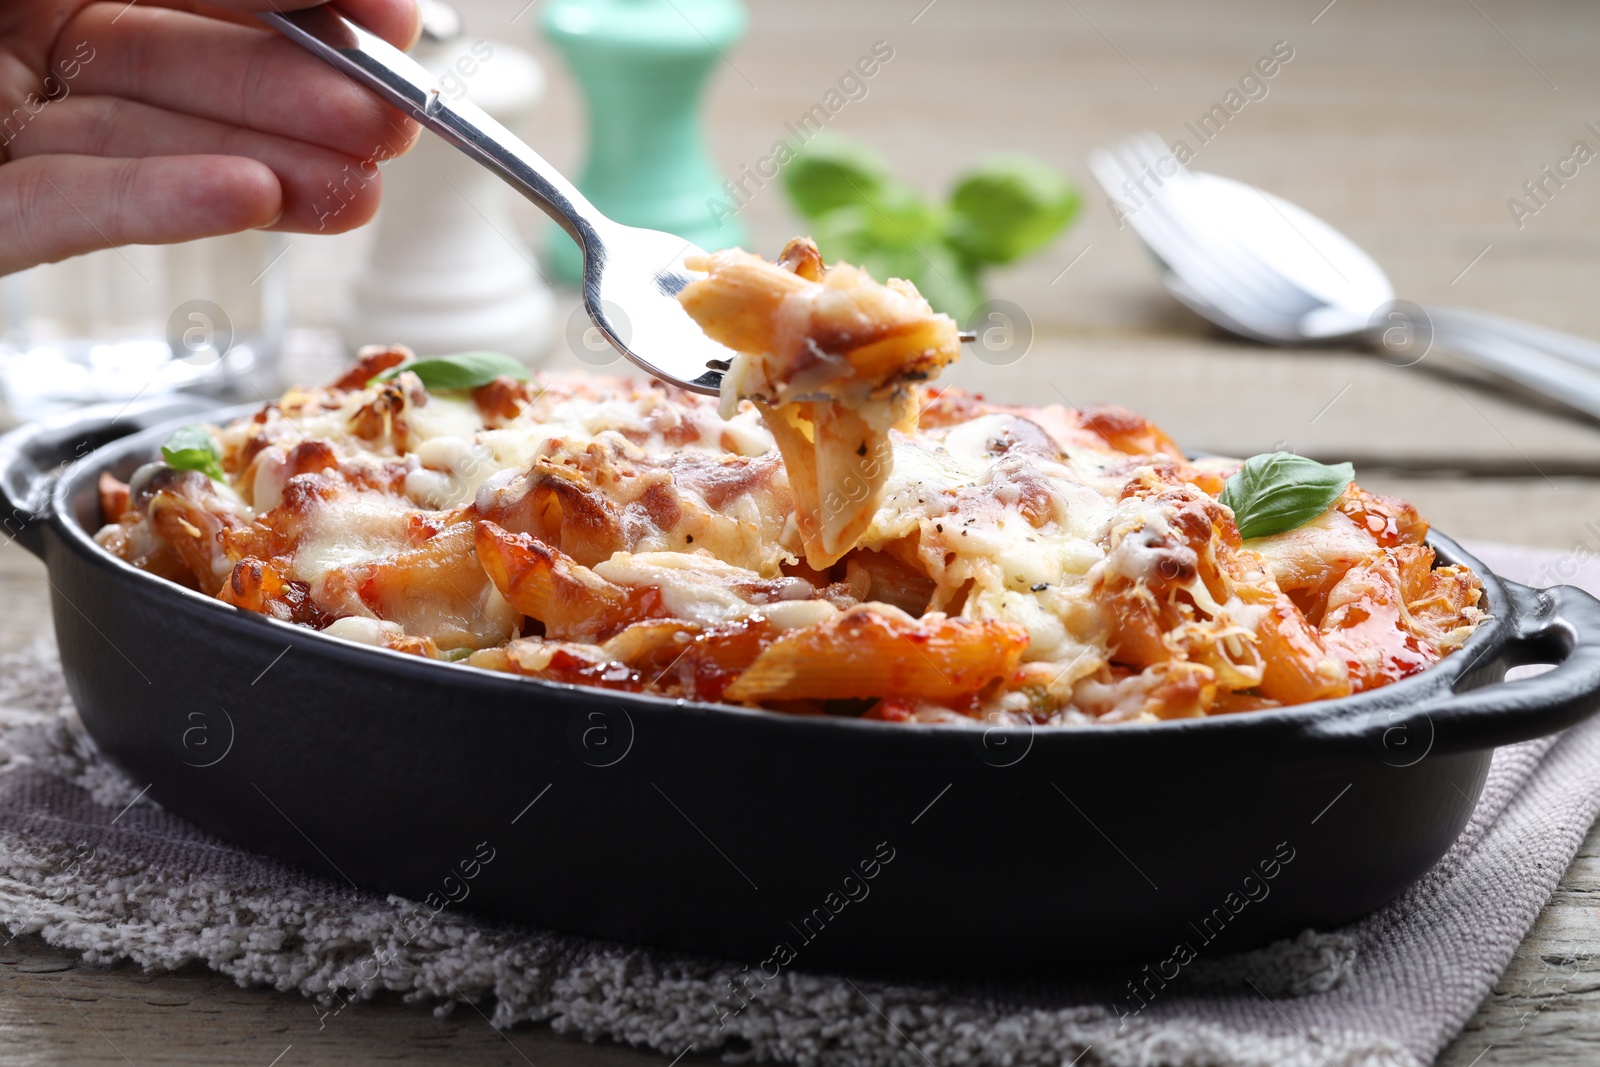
1003, 209
194, 449
898, 223
1279, 491
900, 238
465, 370
833, 172
1008, 207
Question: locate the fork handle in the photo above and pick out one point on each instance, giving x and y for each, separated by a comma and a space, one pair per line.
1517, 352
375, 64
1570, 347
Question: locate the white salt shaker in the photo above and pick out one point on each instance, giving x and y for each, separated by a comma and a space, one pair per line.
447, 271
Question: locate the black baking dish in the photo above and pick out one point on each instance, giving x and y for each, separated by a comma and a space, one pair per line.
718, 829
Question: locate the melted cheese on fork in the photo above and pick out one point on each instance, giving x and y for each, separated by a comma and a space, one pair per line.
830, 358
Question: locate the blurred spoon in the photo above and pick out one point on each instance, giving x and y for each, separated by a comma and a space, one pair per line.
1263, 268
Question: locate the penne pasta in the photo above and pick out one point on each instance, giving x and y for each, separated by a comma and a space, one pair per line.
876, 652
829, 357
437, 591
1296, 666
544, 583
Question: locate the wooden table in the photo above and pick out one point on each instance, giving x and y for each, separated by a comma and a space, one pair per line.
1406, 126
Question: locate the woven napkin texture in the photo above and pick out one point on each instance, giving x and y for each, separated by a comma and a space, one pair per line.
92, 867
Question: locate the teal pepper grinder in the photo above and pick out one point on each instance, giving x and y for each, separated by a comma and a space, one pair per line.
643, 65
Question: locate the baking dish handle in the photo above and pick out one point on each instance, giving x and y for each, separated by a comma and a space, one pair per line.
1559, 625
32, 457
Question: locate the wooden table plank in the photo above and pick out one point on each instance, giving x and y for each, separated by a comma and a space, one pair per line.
1543, 1009
56, 1009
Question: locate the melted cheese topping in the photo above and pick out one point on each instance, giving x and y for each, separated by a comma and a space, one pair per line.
1019, 564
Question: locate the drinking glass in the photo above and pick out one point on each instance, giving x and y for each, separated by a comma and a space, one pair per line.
128, 323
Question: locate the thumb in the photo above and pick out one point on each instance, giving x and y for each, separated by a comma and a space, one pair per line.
53, 207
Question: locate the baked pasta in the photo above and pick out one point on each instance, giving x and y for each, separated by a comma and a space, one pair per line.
1010, 564
830, 361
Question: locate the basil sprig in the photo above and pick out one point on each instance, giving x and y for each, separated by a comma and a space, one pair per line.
460, 372
194, 449
1278, 491
1002, 209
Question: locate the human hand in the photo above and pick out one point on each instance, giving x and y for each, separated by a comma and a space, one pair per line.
160, 121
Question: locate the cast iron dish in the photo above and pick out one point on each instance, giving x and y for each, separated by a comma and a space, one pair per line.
712, 828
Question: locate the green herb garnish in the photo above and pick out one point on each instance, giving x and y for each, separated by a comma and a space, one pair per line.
455, 655
1278, 491
835, 172
460, 372
1008, 207
1002, 209
194, 449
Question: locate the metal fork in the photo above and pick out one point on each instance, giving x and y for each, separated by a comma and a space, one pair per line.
631, 276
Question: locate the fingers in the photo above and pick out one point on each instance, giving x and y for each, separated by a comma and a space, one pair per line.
397, 21
322, 191
231, 74
52, 207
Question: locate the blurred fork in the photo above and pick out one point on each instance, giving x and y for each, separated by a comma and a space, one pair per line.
1206, 269
1263, 268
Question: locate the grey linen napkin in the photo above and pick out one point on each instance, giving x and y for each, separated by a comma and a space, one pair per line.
94, 868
